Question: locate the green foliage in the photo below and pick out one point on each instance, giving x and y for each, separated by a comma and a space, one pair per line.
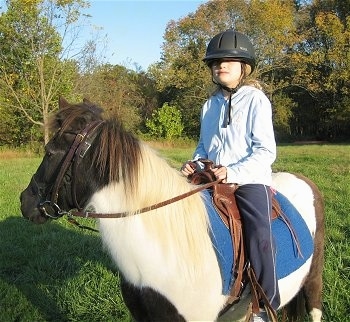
34, 66
302, 59
165, 123
282, 113
301, 49
182, 67
125, 94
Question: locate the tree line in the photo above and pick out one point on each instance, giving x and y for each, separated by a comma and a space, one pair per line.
303, 61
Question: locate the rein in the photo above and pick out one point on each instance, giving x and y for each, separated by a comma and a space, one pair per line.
88, 214
51, 209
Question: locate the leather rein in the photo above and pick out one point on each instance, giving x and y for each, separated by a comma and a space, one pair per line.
78, 149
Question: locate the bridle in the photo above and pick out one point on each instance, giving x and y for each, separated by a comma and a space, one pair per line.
81, 144
77, 151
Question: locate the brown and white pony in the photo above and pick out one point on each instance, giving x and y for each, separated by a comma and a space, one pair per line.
169, 267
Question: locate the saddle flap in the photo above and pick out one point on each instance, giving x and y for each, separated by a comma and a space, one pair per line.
225, 201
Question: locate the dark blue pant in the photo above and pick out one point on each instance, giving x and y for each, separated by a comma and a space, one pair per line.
255, 205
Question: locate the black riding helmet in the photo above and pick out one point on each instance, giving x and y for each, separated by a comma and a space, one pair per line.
231, 44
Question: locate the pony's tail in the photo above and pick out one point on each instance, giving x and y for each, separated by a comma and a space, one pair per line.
295, 310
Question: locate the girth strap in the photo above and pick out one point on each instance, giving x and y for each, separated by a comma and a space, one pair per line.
258, 294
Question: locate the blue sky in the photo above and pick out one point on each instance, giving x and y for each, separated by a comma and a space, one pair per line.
135, 28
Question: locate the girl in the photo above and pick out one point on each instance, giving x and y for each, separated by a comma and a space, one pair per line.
237, 133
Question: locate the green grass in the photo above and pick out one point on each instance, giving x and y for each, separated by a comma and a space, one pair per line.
51, 272
57, 272
329, 167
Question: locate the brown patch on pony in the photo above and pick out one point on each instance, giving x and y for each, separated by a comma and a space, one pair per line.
146, 304
118, 154
310, 294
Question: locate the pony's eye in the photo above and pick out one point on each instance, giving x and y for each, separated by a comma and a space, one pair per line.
48, 153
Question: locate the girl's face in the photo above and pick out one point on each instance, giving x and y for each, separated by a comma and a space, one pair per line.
227, 72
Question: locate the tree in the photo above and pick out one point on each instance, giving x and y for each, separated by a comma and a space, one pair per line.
322, 59
123, 93
282, 114
181, 69
302, 50
165, 123
36, 65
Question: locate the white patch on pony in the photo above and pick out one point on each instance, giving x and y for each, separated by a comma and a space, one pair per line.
290, 285
141, 259
316, 315
299, 194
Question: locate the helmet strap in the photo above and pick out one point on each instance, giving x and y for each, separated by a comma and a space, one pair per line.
231, 91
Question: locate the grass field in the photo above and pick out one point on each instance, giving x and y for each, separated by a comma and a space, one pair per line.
56, 272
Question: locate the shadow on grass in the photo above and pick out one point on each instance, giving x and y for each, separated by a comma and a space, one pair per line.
44, 271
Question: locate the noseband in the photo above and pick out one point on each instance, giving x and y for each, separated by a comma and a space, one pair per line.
78, 149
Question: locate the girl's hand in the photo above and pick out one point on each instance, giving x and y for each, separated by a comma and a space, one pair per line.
188, 168
220, 173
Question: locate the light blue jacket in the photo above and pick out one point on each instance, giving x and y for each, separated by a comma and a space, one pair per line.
247, 145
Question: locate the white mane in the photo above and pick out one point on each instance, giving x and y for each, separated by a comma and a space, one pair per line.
167, 244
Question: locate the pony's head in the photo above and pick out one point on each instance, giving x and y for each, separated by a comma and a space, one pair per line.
85, 153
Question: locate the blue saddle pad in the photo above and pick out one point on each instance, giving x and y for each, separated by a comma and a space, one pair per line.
288, 259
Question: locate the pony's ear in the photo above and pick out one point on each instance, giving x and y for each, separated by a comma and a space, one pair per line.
87, 102
62, 102
97, 110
